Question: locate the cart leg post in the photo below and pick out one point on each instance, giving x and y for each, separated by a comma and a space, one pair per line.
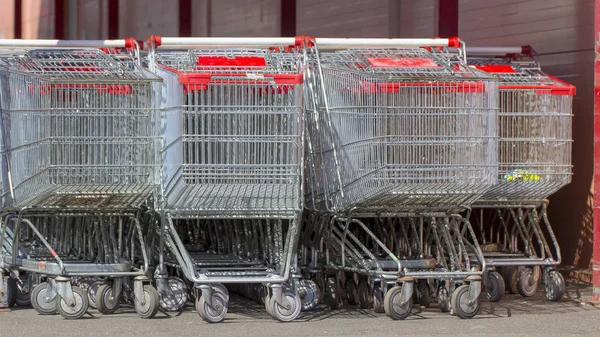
117, 287
138, 289
51, 291
63, 287
474, 288
407, 292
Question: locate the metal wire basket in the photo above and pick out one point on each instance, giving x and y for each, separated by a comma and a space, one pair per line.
232, 132
401, 129
81, 129
535, 122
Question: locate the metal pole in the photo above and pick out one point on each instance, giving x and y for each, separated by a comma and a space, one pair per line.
596, 255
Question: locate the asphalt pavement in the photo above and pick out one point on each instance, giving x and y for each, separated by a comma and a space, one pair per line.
515, 315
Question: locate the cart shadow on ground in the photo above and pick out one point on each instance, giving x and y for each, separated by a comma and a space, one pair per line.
575, 300
243, 310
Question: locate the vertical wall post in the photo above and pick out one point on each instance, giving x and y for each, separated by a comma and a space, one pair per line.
113, 19
447, 18
596, 254
59, 19
18, 20
185, 18
287, 18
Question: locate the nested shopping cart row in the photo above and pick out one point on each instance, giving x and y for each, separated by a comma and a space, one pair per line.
535, 145
284, 169
81, 161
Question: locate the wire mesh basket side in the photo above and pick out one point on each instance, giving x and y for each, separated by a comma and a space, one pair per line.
403, 143
79, 138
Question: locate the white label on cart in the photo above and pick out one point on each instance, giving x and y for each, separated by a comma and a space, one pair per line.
255, 76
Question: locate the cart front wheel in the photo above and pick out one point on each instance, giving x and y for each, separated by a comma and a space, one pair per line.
526, 283
391, 304
149, 308
41, 304
290, 313
495, 288
460, 303
79, 307
215, 313
555, 286
221, 288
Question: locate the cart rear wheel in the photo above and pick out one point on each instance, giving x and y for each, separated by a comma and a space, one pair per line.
443, 297
23, 298
351, 292
92, 291
310, 297
526, 283
335, 301
44, 306
320, 281
555, 286
149, 308
10, 292
422, 294
79, 307
495, 287
365, 295
24, 295
217, 312
106, 302
378, 300
176, 296
460, 303
290, 313
267, 299
262, 294
512, 274
392, 307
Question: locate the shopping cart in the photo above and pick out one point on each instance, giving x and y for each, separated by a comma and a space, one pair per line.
400, 140
232, 169
82, 158
534, 162
10, 293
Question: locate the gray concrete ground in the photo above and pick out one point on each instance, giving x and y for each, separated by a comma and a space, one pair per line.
513, 316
